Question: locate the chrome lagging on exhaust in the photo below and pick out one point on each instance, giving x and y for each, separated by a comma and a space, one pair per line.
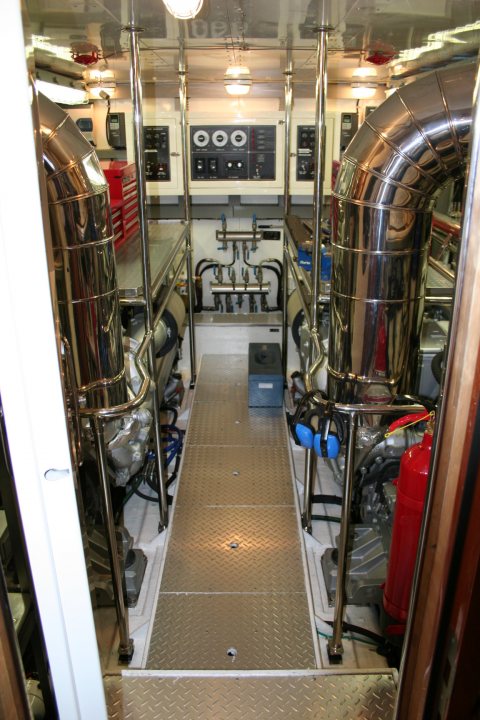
401, 157
82, 234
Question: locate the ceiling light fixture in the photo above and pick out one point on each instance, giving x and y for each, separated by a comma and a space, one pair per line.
101, 83
363, 91
238, 80
183, 9
364, 72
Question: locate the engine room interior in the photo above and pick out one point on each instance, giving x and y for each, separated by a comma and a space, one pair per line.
239, 420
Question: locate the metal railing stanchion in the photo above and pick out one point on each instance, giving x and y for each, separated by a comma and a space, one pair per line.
318, 180
286, 205
136, 87
182, 75
125, 650
335, 646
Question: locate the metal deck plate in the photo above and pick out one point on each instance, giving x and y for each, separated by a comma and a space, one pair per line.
220, 423
200, 557
316, 697
260, 631
234, 393
230, 476
234, 574
223, 369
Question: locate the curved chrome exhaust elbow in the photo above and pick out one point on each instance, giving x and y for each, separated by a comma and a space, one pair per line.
86, 280
386, 188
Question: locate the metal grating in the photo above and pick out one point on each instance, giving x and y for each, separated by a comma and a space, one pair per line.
259, 631
220, 423
312, 696
200, 557
230, 476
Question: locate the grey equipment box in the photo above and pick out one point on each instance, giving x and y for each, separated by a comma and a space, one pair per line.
265, 378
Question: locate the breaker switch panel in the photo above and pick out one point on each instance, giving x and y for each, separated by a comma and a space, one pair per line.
305, 152
157, 153
227, 152
348, 128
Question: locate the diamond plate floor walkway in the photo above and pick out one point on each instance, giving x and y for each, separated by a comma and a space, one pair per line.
233, 637
233, 591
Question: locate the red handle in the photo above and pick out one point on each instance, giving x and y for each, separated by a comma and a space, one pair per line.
406, 419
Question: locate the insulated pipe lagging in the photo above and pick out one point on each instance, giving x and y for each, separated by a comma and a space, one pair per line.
401, 157
85, 271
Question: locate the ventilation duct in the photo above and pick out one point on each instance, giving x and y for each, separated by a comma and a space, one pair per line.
86, 282
392, 170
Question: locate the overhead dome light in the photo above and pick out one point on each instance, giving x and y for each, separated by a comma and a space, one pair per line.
238, 80
364, 72
101, 83
183, 9
362, 91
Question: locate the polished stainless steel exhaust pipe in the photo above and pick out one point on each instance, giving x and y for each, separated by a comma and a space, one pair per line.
86, 280
403, 154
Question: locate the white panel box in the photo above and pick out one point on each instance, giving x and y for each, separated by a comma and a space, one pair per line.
302, 143
163, 161
236, 156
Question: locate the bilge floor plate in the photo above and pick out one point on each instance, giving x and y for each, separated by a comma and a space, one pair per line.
234, 572
309, 697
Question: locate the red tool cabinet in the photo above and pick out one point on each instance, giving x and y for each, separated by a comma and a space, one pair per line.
122, 180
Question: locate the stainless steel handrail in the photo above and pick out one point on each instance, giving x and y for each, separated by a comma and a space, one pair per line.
182, 90
441, 268
119, 410
286, 201
335, 647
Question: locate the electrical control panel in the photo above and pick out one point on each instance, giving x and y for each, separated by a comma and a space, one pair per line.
157, 152
162, 144
243, 152
302, 165
305, 152
348, 128
238, 156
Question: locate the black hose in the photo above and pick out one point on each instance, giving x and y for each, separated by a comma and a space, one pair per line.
199, 290
326, 518
174, 410
348, 627
279, 285
200, 263
437, 366
327, 499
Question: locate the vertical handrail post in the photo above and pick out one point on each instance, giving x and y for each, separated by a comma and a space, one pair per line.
136, 88
125, 650
335, 646
182, 75
318, 180
286, 204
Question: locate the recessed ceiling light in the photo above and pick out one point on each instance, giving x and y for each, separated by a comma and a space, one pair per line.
364, 72
183, 9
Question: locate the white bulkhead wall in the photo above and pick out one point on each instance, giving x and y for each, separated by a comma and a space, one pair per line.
227, 111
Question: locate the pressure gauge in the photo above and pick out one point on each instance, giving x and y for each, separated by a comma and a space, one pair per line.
238, 138
220, 138
201, 138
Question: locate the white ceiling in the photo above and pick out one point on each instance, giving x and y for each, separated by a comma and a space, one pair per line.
256, 32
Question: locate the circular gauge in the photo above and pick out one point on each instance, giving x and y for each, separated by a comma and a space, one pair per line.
220, 138
201, 138
238, 138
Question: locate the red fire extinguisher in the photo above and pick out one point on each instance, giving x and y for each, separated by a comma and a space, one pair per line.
411, 491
